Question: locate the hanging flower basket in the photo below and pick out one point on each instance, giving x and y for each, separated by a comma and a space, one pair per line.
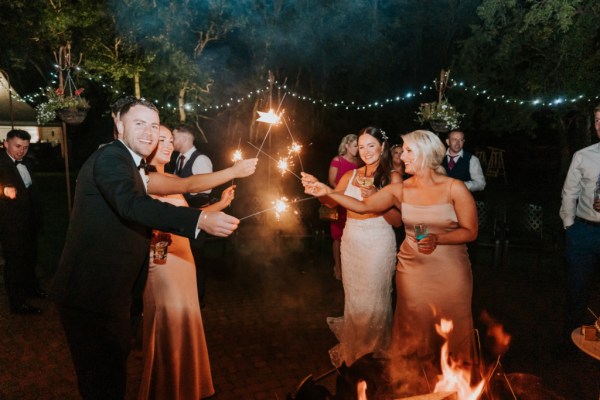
441, 116
439, 126
72, 116
58, 104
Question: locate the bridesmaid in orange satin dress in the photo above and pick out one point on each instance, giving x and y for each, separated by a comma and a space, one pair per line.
176, 364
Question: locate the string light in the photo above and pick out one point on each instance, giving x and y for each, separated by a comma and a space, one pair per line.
536, 101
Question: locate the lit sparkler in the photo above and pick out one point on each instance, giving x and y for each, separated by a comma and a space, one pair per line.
280, 162
237, 156
294, 148
280, 206
269, 117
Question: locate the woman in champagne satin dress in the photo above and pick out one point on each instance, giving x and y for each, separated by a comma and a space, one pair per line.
176, 363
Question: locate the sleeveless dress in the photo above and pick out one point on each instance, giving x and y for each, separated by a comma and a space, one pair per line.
431, 287
176, 364
343, 166
368, 255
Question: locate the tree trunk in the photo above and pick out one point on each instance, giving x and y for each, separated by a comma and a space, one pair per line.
181, 102
136, 83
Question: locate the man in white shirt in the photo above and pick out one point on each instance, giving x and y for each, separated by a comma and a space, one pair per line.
191, 161
461, 164
580, 213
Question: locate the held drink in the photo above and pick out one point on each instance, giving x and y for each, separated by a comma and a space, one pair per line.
421, 231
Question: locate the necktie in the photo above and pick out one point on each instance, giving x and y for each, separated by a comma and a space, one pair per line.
451, 163
147, 168
180, 164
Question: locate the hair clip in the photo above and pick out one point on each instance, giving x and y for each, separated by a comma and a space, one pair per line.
383, 135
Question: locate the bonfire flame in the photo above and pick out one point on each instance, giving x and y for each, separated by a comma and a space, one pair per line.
361, 390
455, 378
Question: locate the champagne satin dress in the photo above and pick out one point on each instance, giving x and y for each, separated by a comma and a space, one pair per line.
176, 364
434, 286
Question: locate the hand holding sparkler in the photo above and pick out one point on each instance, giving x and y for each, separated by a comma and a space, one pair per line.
217, 223
244, 168
9, 191
227, 197
313, 187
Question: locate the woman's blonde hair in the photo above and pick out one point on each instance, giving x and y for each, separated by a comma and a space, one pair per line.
428, 150
346, 140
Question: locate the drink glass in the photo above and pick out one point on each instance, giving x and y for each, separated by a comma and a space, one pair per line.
421, 231
160, 252
366, 181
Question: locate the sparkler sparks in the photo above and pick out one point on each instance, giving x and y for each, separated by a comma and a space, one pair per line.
280, 207
237, 156
294, 148
269, 117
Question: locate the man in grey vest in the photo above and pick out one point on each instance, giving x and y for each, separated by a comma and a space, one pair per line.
461, 164
191, 162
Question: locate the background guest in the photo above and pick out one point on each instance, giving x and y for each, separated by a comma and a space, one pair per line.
19, 221
580, 213
190, 161
346, 160
460, 164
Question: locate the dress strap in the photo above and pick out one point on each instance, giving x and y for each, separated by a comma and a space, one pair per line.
449, 194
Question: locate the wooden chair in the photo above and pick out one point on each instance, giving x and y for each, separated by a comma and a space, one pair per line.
495, 166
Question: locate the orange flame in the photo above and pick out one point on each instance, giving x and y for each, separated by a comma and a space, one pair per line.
455, 378
495, 331
361, 390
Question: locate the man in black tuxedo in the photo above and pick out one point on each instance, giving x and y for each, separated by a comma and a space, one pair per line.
105, 258
19, 219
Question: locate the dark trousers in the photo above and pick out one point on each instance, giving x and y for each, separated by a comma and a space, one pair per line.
197, 246
99, 348
583, 262
19, 247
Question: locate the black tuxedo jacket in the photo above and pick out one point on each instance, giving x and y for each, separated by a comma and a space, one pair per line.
105, 258
25, 209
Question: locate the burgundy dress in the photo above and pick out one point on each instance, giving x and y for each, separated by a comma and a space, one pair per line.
342, 165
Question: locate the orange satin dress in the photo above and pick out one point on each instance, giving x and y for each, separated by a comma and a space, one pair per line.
176, 364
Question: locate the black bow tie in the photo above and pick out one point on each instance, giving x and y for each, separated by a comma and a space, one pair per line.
147, 168
17, 162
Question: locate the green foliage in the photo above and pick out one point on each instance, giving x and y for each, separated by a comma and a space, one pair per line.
57, 100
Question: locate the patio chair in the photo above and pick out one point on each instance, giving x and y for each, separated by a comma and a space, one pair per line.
490, 222
525, 230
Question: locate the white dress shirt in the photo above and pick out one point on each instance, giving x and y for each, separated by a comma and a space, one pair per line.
202, 164
580, 184
477, 181
24, 172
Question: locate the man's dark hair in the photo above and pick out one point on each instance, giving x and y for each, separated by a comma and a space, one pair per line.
188, 128
21, 134
137, 102
597, 108
120, 102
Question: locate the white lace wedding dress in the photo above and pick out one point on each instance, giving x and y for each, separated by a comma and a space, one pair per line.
368, 265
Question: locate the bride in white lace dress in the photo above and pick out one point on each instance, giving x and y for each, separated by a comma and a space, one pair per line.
368, 253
